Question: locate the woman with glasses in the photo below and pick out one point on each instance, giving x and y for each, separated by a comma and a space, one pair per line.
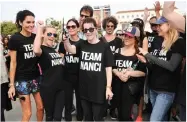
95, 71
127, 71
51, 63
119, 33
71, 71
24, 72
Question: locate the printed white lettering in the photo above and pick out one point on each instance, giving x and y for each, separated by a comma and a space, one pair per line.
91, 56
122, 63
56, 62
90, 66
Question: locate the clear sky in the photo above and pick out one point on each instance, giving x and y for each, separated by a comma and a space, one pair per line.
68, 8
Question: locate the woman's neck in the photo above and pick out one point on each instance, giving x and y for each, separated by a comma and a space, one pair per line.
25, 33
94, 41
74, 38
128, 47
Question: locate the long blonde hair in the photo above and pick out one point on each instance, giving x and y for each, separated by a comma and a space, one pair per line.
173, 35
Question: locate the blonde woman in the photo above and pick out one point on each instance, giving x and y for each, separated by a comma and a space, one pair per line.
165, 69
51, 63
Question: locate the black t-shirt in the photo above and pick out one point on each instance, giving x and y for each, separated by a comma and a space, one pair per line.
162, 79
5, 52
124, 62
151, 37
114, 44
181, 48
27, 68
94, 58
71, 62
51, 64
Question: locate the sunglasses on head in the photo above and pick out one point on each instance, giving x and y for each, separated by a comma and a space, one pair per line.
84, 16
73, 27
90, 30
110, 26
50, 34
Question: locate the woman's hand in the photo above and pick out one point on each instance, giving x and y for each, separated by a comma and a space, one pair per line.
157, 6
109, 93
11, 92
141, 58
142, 51
40, 24
146, 12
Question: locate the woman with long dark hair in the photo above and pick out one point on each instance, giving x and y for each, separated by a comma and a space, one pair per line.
71, 71
5, 51
143, 42
25, 75
5, 101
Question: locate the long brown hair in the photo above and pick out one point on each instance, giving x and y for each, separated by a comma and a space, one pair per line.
136, 44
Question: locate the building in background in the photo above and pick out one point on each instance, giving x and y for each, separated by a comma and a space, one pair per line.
126, 17
100, 12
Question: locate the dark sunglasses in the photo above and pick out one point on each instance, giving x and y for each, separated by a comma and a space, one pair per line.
109, 26
90, 30
119, 34
153, 25
50, 34
84, 16
73, 27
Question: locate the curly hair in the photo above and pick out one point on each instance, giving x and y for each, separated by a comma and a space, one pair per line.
110, 19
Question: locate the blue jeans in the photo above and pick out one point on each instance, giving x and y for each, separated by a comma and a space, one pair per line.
161, 102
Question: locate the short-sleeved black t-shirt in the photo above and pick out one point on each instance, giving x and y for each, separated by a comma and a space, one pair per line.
27, 68
114, 44
5, 52
51, 64
152, 37
124, 62
162, 79
71, 62
94, 58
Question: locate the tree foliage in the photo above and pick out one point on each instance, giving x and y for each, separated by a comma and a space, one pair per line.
8, 28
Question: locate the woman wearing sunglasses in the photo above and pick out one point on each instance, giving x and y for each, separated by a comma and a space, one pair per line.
51, 63
24, 72
128, 70
119, 33
165, 69
95, 71
71, 71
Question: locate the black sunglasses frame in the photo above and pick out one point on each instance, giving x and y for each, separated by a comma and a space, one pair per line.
50, 34
81, 15
90, 30
72, 26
